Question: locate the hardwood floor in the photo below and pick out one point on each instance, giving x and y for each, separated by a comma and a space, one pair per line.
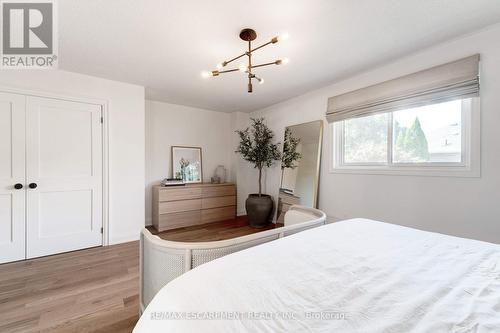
212, 231
93, 290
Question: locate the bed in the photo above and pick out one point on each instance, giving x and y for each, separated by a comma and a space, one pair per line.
352, 276
161, 260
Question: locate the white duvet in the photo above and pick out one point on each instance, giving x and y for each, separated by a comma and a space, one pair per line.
351, 276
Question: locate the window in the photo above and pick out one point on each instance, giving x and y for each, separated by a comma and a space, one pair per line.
430, 140
430, 134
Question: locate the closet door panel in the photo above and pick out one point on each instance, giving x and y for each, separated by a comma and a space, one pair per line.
12, 172
64, 160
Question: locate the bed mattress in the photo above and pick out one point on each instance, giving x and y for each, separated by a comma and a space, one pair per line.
352, 276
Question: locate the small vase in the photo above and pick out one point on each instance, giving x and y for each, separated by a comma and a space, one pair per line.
220, 172
183, 174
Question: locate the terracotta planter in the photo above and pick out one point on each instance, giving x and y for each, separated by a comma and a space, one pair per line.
259, 209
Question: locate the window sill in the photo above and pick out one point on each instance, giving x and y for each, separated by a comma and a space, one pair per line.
431, 171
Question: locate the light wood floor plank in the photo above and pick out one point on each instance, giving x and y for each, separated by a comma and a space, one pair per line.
93, 290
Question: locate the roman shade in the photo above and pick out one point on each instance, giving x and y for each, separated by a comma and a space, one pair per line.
454, 80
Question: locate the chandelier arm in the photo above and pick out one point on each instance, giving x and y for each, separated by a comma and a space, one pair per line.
235, 58
225, 63
261, 46
266, 64
229, 70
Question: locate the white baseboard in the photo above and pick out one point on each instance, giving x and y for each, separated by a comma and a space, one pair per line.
124, 239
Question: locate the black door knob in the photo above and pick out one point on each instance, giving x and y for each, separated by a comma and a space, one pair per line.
18, 186
32, 185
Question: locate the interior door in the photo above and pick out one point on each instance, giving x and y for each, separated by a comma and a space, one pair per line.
63, 176
12, 172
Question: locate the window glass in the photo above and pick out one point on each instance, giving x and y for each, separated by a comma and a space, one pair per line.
365, 139
428, 134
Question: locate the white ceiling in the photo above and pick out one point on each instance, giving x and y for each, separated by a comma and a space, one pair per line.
164, 45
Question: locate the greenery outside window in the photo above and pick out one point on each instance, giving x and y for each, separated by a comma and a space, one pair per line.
438, 139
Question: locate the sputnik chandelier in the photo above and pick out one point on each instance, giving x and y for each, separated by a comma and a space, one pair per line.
248, 35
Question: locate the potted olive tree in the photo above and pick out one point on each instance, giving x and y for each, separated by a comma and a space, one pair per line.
256, 146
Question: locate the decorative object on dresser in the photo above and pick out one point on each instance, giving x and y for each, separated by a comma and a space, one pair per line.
256, 146
300, 165
219, 175
173, 182
187, 164
193, 204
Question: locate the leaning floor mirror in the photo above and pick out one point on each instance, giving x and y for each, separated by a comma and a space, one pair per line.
300, 166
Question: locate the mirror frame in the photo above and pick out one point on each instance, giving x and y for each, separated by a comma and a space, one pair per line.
318, 162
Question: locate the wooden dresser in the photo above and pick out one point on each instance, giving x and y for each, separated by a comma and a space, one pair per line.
183, 206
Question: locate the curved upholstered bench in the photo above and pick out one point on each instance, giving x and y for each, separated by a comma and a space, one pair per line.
161, 261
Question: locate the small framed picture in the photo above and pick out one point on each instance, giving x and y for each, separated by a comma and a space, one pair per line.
187, 164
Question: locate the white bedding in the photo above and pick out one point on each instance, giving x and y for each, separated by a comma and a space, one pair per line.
351, 276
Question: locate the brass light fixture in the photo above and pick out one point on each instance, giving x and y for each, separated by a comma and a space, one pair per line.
248, 35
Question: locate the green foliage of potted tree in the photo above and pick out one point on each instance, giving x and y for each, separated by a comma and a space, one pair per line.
290, 154
256, 146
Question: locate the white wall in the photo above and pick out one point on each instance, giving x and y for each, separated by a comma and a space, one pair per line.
176, 125
126, 138
239, 120
467, 207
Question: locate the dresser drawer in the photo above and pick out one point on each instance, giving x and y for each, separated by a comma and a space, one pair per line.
177, 193
218, 214
179, 206
218, 191
179, 220
216, 202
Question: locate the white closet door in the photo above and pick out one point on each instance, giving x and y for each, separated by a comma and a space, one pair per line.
12, 172
64, 176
